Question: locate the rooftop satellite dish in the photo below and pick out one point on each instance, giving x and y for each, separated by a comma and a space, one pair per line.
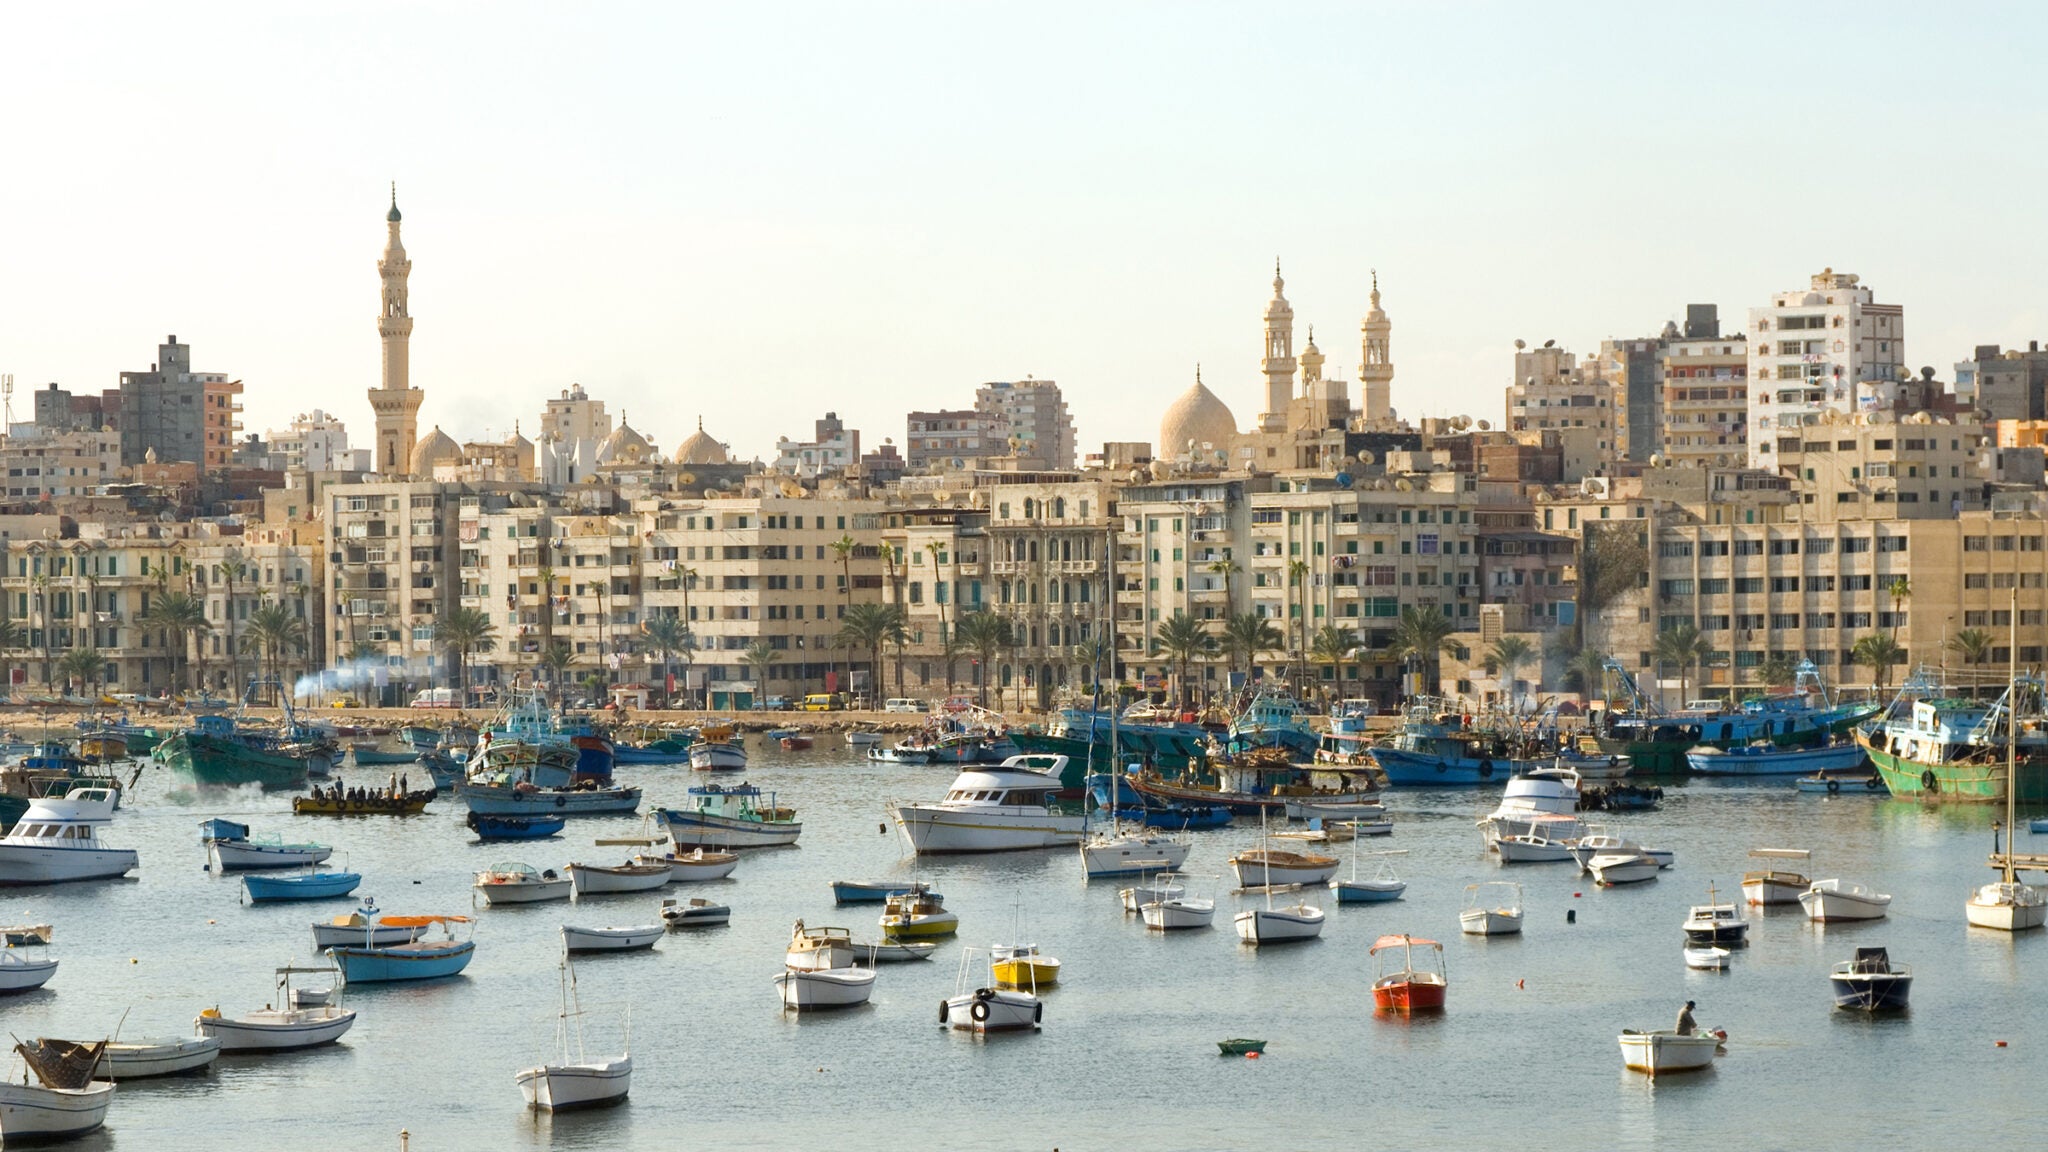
1485, 425
1521, 344
1364, 456
1550, 343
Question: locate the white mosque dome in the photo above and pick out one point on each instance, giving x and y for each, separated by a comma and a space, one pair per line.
434, 449
1199, 415
624, 446
700, 448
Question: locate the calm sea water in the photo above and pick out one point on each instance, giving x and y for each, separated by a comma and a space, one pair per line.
1127, 1058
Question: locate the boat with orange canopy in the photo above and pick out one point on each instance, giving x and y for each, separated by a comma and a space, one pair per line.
1407, 989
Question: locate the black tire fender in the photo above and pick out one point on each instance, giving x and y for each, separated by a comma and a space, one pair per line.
1929, 782
1834, 787
979, 1012
1486, 769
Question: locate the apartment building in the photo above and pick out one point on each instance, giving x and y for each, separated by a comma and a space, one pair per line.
762, 569
50, 464
1706, 401
1029, 418
387, 578
1827, 347
1550, 394
951, 439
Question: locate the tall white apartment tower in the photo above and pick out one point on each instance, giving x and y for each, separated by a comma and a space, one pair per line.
1829, 346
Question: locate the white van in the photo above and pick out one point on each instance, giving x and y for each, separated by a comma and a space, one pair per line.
904, 704
435, 698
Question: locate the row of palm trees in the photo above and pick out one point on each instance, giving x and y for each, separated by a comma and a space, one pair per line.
1420, 637
272, 632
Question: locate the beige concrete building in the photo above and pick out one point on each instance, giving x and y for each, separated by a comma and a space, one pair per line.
1706, 401
55, 464
1551, 394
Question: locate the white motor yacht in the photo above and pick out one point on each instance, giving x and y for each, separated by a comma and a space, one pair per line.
1623, 868
1000, 809
58, 840
1539, 792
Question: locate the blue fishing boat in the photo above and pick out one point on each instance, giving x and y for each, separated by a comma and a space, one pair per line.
2038, 824
1175, 816
861, 892
1434, 748
304, 886
1272, 717
514, 827
634, 754
416, 960
1769, 759
442, 767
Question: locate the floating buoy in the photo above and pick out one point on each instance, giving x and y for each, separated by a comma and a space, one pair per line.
133, 960
1576, 895
882, 828
1255, 1055
2000, 1043
1571, 915
1518, 983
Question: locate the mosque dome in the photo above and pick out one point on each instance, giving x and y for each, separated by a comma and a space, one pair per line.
434, 449
1198, 416
624, 446
700, 448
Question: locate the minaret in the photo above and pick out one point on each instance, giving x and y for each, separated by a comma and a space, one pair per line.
1376, 371
396, 402
1311, 364
1279, 362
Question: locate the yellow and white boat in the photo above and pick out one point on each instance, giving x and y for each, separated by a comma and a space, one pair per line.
1023, 966
917, 913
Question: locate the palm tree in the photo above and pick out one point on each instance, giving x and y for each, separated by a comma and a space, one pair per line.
273, 627
546, 577
1423, 635
1878, 652
1297, 577
1333, 646
556, 658
668, 634
1777, 668
39, 607
1899, 589
946, 644
177, 616
84, 665
868, 626
1226, 569
843, 548
1974, 645
462, 631
232, 569
1248, 635
1508, 655
1684, 646
985, 632
759, 656
1588, 670
1014, 642
1183, 638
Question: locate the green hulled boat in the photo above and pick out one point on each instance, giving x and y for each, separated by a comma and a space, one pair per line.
1953, 751
213, 752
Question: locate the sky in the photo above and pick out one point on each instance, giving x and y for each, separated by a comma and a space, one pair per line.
755, 213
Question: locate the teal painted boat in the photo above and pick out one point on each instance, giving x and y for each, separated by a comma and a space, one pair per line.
416, 960
214, 753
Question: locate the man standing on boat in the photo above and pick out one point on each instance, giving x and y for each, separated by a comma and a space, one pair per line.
1686, 1026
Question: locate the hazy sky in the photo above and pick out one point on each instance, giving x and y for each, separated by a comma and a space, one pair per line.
757, 212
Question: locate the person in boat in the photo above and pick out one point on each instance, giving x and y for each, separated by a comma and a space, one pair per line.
1686, 1027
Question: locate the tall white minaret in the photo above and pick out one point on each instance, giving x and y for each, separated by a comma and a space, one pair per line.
1376, 370
1279, 362
396, 402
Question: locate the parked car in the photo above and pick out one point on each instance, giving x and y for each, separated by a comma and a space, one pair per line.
772, 704
344, 701
904, 704
435, 698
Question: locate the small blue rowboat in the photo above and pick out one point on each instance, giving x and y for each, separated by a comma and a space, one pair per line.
304, 886
515, 827
1771, 760
1872, 785
418, 960
1367, 891
2038, 824
856, 892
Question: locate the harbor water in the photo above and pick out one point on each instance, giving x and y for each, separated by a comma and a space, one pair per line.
1127, 1058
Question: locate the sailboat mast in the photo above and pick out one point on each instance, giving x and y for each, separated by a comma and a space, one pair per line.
2012, 727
